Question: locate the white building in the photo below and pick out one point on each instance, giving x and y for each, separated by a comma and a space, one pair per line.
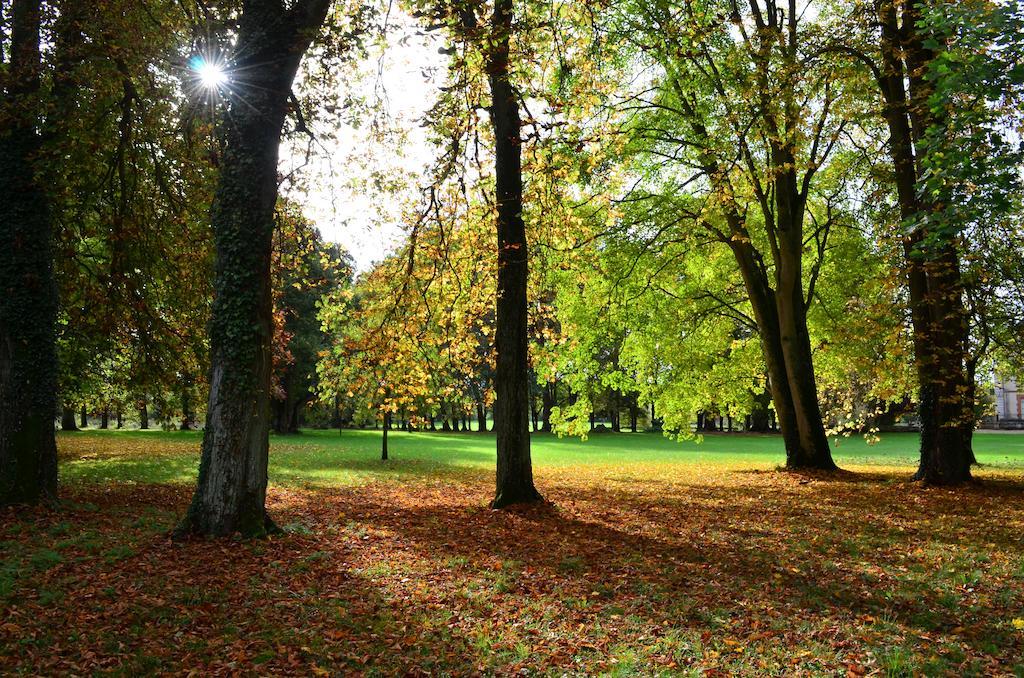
1009, 400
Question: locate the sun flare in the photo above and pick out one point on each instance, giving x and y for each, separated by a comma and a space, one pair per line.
211, 75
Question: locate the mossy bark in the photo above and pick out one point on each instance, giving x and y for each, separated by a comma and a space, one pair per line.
230, 495
28, 293
934, 285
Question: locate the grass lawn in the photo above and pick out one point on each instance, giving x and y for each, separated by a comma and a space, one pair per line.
655, 557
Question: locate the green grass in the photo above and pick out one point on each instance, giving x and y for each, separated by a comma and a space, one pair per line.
327, 458
654, 557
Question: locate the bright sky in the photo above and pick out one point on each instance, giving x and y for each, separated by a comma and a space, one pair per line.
337, 190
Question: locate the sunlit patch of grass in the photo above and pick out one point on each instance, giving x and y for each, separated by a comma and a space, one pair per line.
327, 458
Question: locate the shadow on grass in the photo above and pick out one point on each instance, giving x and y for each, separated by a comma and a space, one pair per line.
722, 552
398, 577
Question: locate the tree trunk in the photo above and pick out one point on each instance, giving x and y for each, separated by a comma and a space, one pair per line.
481, 417
782, 328
231, 492
28, 293
143, 416
285, 411
514, 477
336, 413
384, 436
186, 412
547, 396
656, 425
120, 418
67, 419
813, 449
105, 417
84, 418
933, 277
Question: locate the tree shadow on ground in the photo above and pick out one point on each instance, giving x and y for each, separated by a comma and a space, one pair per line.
418, 576
809, 554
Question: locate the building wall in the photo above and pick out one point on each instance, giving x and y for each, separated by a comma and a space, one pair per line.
1009, 400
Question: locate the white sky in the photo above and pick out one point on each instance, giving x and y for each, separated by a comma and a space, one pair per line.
335, 187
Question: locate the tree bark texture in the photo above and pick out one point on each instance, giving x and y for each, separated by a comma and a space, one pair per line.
514, 477
787, 354
231, 491
28, 292
932, 267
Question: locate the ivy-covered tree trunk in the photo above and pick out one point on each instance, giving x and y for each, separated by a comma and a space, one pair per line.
514, 478
84, 417
143, 416
231, 492
28, 293
932, 268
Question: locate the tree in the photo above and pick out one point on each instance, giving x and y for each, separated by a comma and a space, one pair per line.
514, 479
28, 294
949, 79
743, 118
231, 491
485, 55
937, 311
306, 271
127, 188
